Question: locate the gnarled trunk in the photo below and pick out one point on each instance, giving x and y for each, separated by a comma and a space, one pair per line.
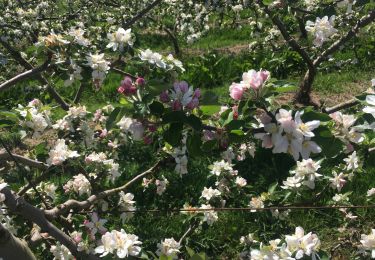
303, 96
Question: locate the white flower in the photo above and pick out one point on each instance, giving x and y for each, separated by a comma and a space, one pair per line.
337, 181
175, 62
126, 204
153, 58
135, 128
219, 167
256, 203
346, 3
60, 152
209, 193
77, 34
181, 164
99, 66
352, 161
370, 99
77, 112
96, 224
368, 242
210, 216
119, 38
2, 196
305, 129
121, 243
80, 184
340, 197
371, 192
169, 247
241, 182
161, 185
48, 188
113, 169
61, 252
322, 29
96, 157
302, 244
305, 173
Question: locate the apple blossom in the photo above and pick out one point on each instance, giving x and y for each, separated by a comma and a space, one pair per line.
169, 247
60, 153
368, 242
119, 38
210, 216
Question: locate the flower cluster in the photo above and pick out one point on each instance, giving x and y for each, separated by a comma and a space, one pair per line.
368, 242
119, 243
119, 38
60, 152
296, 246
322, 29
251, 80
181, 96
289, 135
35, 116
99, 68
128, 87
155, 58
169, 247
79, 184
126, 204
305, 174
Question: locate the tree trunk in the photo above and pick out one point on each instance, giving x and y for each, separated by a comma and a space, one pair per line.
303, 96
12, 247
301, 25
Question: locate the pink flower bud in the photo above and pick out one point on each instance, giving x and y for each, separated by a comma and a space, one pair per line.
147, 139
236, 91
183, 86
140, 81
197, 93
176, 105
164, 97
121, 89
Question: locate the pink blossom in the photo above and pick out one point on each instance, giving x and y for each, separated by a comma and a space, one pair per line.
176, 105
182, 85
164, 97
140, 81
197, 93
236, 91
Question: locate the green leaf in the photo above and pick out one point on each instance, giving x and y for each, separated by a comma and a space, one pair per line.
156, 108
194, 122
114, 117
190, 251
6, 123
173, 117
209, 110
235, 124
209, 145
310, 115
272, 187
193, 144
173, 135
267, 2
157, 86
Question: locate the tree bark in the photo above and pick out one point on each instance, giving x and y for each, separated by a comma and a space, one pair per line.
12, 247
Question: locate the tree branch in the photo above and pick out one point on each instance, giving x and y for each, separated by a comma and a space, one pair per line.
4, 156
365, 20
27, 74
12, 247
81, 205
19, 206
288, 38
17, 56
141, 13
